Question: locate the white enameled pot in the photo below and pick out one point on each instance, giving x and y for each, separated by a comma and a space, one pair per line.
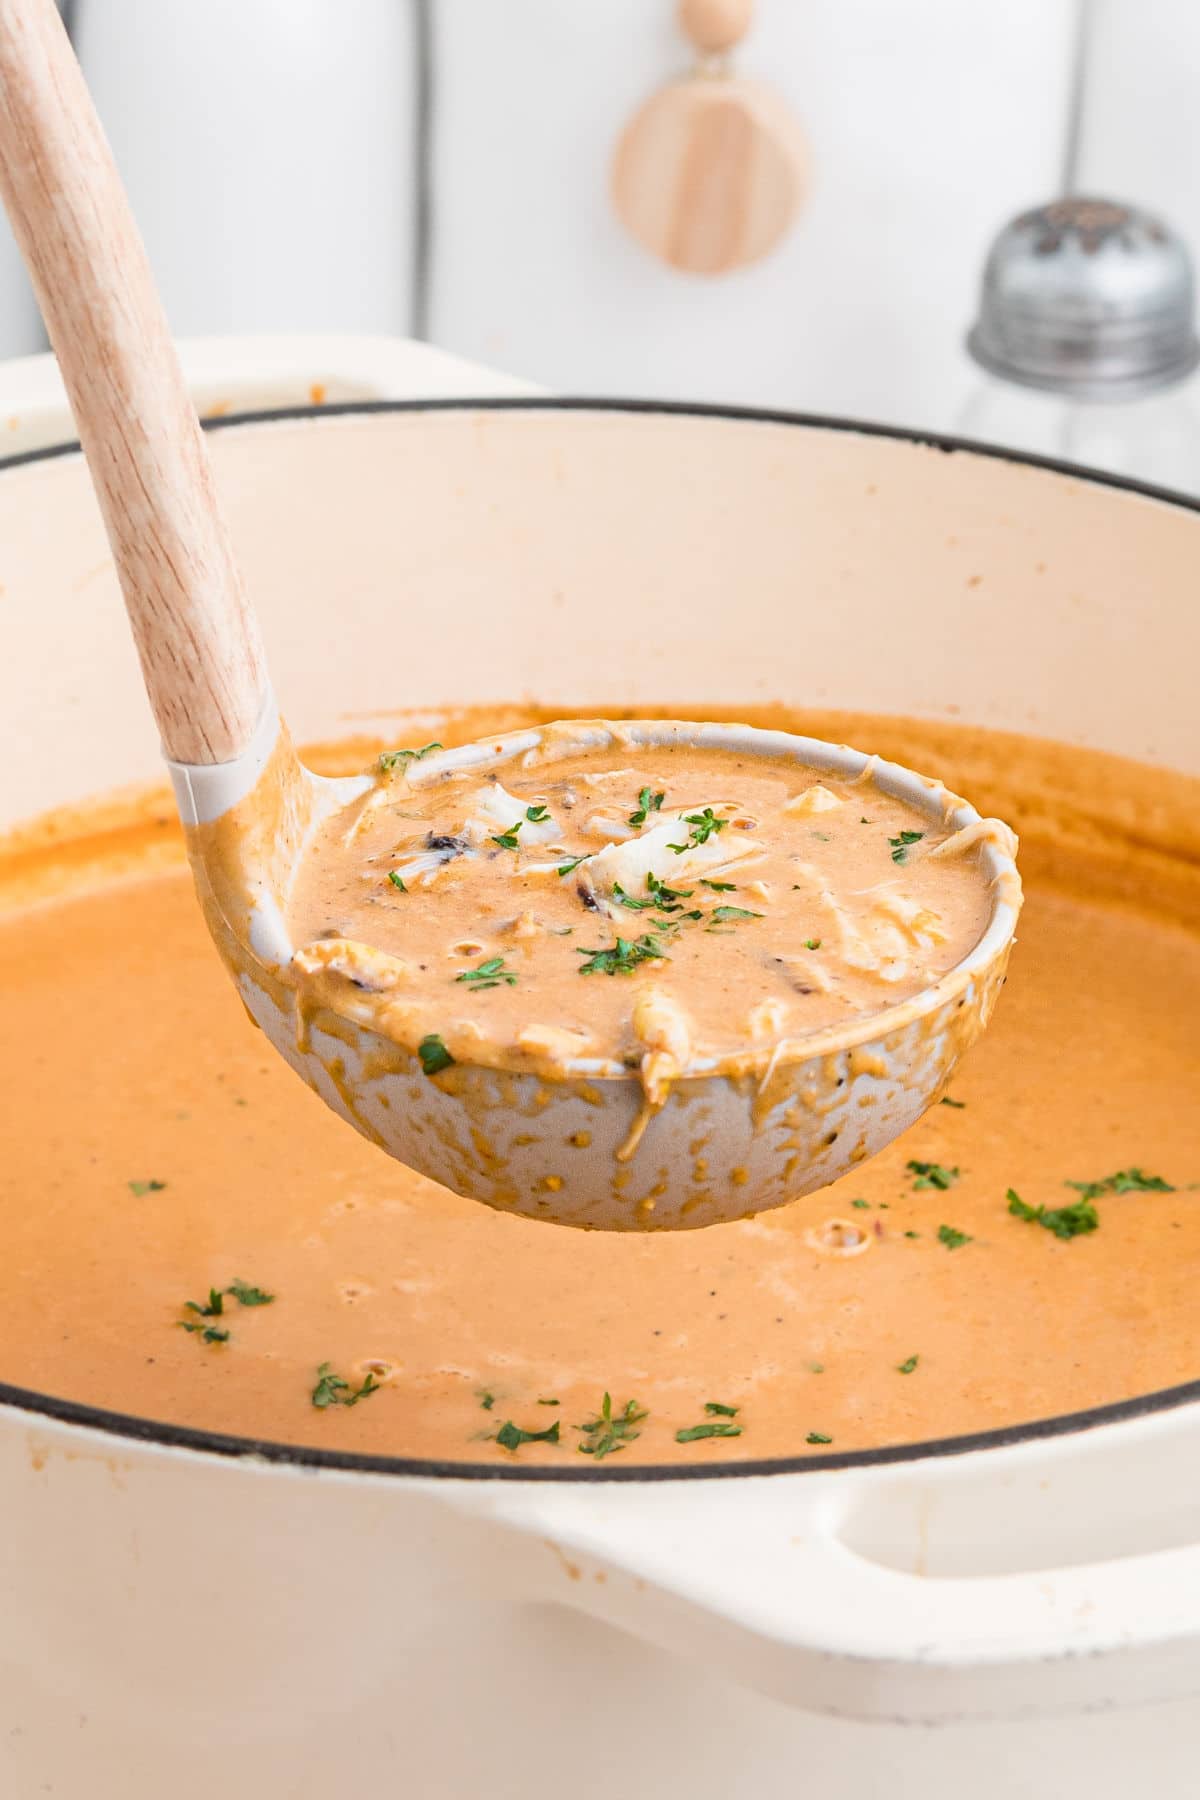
1018, 1615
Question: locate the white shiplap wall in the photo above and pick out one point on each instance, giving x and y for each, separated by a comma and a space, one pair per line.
271, 149
929, 122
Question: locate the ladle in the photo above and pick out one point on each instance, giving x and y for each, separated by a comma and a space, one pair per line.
800, 1116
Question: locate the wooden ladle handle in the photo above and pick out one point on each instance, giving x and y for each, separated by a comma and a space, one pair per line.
198, 640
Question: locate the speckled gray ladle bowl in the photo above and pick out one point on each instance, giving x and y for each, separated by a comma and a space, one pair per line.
783, 1120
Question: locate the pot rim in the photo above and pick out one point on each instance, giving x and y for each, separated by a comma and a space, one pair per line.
165, 1435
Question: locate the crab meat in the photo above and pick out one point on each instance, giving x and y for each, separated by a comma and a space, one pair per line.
816, 799
662, 1026
627, 865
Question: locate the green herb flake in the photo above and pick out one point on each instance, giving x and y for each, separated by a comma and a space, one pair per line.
1125, 1181
646, 804
912, 1234
866, 821
333, 1390
487, 1400
247, 1295
394, 759
861, 1204
215, 1307
569, 866
397, 880
667, 899
490, 974
900, 845
952, 1237
715, 1428
434, 1055
816, 1368
1065, 1222
724, 915
146, 1187
812, 943
703, 825
623, 957
209, 1334
715, 1408
908, 1365
957, 1104
507, 840
932, 1175
720, 887
609, 1432
818, 1437
549, 1402
511, 1437
624, 899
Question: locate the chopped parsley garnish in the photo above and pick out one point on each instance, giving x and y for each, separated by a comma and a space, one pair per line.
491, 973
720, 887
397, 880
146, 1187
861, 1204
487, 1400
549, 1402
332, 1390
247, 1295
1064, 1221
511, 1437
534, 815
647, 803
900, 845
608, 1432
812, 943
215, 1307
623, 957
908, 1365
392, 759
1125, 1181
932, 1175
667, 899
714, 1428
624, 899
953, 1238
863, 821
913, 1234
722, 915
209, 1334
957, 1104
567, 867
434, 1054
703, 825
717, 1410
818, 1437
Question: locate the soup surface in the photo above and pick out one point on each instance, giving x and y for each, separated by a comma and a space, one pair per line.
754, 901
192, 1236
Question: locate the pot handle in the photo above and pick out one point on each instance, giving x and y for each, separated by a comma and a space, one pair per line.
763, 1585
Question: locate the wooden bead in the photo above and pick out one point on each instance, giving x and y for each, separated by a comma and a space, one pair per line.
710, 173
715, 26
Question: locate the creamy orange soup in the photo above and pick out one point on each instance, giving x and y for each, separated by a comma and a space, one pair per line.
752, 900
192, 1236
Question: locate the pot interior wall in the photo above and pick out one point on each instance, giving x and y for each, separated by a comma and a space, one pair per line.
577, 555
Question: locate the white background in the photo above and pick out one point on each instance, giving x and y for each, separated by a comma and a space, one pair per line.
271, 147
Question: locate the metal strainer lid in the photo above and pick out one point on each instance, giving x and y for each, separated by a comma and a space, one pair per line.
1088, 298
